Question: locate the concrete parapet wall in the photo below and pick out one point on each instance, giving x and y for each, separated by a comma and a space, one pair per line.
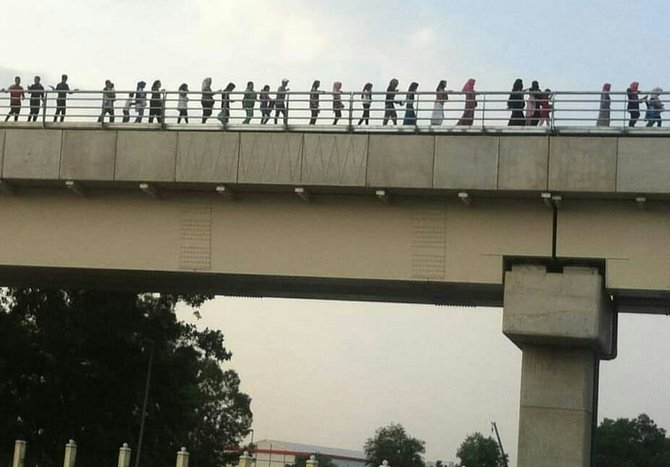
496, 164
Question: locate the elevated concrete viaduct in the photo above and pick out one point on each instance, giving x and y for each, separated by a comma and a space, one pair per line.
565, 231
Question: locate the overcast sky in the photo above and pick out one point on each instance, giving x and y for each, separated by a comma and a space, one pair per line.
331, 373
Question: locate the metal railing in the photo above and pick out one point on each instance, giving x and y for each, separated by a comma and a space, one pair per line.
327, 111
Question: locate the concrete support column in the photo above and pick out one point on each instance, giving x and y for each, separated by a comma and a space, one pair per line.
19, 453
562, 321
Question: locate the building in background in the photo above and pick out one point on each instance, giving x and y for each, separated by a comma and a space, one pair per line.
273, 453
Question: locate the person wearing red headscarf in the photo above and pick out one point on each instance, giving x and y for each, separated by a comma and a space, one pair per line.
633, 105
605, 105
470, 104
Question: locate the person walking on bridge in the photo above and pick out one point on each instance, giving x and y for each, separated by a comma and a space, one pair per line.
314, 102
390, 102
470, 103
280, 101
441, 96
127, 104
366, 99
224, 115
654, 108
108, 98
633, 104
410, 113
337, 101
533, 108
182, 103
140, 100
36, 91
516, 103
249, 101
156, 102
266, 104
64, 89
16, 95
206, 99
605, 106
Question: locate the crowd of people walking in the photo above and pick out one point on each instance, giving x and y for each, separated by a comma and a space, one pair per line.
530, 106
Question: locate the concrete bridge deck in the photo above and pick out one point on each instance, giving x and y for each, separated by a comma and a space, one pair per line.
601, 166
552, 198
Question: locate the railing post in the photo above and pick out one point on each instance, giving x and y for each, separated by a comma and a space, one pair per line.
312, 462
553, 115
416, 112
19, 453
286, 105
45, 96
182, 458
124, 456
246, 460
164, 96
351, 112
70, 454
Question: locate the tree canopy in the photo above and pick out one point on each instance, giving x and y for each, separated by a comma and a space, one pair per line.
73, 364
480, 451
631, 443
393, 444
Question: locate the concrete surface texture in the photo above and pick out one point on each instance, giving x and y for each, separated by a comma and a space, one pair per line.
566, 164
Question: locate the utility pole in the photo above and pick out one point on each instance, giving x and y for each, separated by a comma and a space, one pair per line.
502, 451
150, 343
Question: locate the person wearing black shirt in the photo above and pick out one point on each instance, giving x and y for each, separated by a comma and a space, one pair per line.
516, 103
390, 103
314, 101
156, 103
410, 113
224, 115
60, 101
36, 91
280, 101
633, 103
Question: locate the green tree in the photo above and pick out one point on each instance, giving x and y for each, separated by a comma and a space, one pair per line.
631, 443
479, 451
324, 461
73, 364
393, 444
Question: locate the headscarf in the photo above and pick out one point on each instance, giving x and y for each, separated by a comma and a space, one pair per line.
656, 92
607, 87
518, 85
469, 85
206, 84
337, 86
634, 85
